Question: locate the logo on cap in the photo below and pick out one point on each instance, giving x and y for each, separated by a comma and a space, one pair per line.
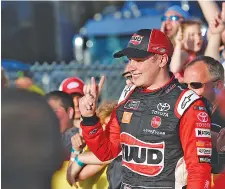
159, 50
136, 39
73, 85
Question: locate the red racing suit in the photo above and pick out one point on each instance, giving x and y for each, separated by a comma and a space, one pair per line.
164, 136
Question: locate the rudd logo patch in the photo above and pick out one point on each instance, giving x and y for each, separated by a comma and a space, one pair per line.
132, 105
136, 39
142, 158
156, 122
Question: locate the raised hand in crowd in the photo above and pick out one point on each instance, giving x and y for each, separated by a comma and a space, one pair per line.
223, 12
217, 25
177, 64
186, 41
216, 28
189, 42
87, 103
179, 37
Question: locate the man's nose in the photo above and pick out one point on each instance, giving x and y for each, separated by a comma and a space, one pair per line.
133, 65
167, 22
197, 91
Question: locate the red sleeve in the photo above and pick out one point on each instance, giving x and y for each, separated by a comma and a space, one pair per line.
220, 181
104, 144
195, 138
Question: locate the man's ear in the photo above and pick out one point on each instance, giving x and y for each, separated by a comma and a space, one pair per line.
71, 113
163, 61
219, 84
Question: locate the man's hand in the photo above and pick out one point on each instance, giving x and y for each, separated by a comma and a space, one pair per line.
78, 143
217, 25
162, 29
221, 141
87, 103
72, 173
223, 12
179, 37
189, 42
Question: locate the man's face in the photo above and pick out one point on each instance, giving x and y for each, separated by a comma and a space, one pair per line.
128, 78
62, 114
144, 71
127, 75
76, 107
171, 26
198, 74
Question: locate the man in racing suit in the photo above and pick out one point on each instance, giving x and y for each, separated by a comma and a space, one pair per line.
162, 129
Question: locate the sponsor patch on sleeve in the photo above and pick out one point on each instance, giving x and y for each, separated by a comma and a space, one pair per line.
202, 133
203, 159
204, 144
204, 151
200, 108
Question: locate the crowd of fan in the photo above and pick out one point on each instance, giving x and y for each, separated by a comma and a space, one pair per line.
31, 150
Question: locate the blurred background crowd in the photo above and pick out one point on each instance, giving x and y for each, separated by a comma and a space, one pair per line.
52, 48
50, 41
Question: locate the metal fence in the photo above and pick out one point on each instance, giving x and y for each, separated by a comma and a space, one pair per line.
49, 76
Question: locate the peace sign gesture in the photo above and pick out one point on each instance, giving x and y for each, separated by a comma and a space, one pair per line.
87, 104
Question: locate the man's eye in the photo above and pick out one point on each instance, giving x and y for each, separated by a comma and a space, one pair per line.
128, 77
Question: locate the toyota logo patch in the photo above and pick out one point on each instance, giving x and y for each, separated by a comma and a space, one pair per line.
163, 107
203, 117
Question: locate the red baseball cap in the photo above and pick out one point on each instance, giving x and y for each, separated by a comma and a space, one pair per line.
145, 42
72, 85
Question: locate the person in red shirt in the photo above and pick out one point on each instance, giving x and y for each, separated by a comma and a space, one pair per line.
162, 128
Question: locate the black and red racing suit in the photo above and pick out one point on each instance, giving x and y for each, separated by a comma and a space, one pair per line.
164, 136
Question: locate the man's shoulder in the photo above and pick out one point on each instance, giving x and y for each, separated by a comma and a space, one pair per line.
125, 93
186, 98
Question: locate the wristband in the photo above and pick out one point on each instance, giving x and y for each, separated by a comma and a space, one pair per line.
81, 164
73, 151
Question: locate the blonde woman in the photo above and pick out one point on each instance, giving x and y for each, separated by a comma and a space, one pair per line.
89, 171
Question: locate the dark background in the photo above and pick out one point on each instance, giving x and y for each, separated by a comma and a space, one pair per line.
43, 31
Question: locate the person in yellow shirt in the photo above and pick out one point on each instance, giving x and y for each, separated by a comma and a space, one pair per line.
91, 172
